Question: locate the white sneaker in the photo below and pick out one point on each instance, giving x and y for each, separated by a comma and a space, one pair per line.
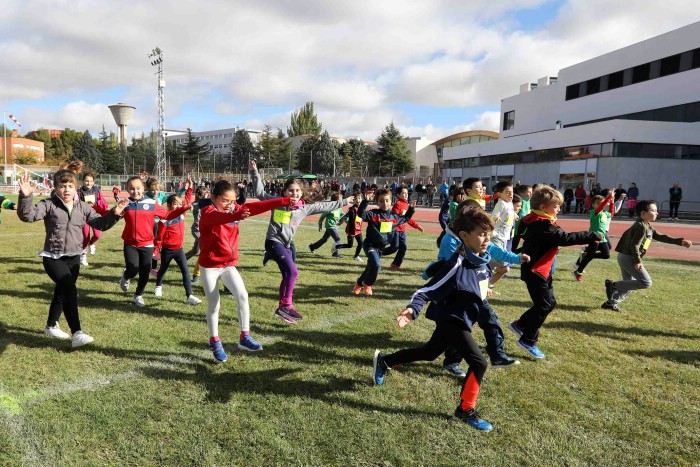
83, 258
92, 249
192, 300
124, 284
55, 331
159, 291
138, 301
334, 249
80, 338
358, 259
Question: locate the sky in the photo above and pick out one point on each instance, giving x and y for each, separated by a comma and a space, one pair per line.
432, 67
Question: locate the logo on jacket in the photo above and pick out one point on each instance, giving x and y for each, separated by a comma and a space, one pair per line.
145, 207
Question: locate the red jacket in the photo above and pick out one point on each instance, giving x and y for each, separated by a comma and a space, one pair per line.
171, 234
400, 207
218, 231
139, 217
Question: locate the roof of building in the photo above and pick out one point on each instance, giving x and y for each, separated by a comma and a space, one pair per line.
464, 134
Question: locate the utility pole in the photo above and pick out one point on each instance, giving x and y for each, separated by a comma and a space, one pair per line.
156, 57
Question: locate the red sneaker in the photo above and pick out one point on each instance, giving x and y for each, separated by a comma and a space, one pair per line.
393, 266
357, 289
368, 289
577, 275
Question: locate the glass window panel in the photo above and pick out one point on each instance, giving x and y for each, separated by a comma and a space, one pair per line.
670, 65
641, 73
615, 80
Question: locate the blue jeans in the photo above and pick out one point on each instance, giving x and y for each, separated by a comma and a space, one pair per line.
374, 264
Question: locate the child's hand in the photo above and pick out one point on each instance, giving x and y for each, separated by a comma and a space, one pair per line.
121, 205
245, 213
623, 195
188, 207
524, 258
350, 200
25, 186
420, 229
639, 266
143, 175
369, 196
156, 255
188, 183
405, 317
489, 293
252, 165
319, 228
413, 204
687, 243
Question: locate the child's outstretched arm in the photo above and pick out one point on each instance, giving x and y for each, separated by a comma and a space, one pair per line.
257, 183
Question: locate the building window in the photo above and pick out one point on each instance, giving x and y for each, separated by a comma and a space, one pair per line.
509, 120
615, 80
572, 92
670, 65
641, 73
592, 86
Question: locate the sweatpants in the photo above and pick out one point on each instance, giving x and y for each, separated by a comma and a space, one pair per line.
64, 271
398, 246
138, 261
284, 258
234, 283
595, 250
374, 265
195, 248
632, 279
87, 239
329, 233
455, 334
543, 302
493, 334
351, 239
179, 256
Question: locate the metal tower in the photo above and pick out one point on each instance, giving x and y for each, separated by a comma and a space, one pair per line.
156, 57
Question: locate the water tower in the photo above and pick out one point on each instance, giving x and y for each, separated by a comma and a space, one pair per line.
122, 114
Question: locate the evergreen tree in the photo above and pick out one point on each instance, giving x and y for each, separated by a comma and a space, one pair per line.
109, 151
356, 156
285, 152
325, 156
306, 155
241, 150
193, 151
393, 156
86, 151
304, 122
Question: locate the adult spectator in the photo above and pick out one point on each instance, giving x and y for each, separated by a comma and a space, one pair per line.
619, 191
580, 196
632, 196
675, 196
363, 185
444, 190
568, 198
420, 191
430, 191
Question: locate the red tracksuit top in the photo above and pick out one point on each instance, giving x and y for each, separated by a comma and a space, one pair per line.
139, 217
171, 234
400, 207
218, 231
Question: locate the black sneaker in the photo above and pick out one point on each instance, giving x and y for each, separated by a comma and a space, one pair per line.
472, 418
609, 288
610, 305
454, 369
504, 362
266, 258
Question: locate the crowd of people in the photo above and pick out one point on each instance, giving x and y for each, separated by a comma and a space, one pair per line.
475, 249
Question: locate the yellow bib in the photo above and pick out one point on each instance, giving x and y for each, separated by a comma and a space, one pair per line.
647, 242
484, 288
282, 217
385, 227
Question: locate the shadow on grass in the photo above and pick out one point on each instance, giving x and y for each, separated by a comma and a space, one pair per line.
686, 357
614, 332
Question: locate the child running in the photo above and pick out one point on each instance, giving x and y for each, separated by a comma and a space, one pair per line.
64, 217
139, 216
600, 222
218, 230
284, 222
330, 219
503, 216
399, 244
353, 229
633, 245
200, 200
542, 238
457, 293
168, 246
92, 195
381, 224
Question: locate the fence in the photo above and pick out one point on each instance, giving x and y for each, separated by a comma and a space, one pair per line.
687, 209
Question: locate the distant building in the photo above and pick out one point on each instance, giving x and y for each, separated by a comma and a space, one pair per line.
21, 147
218, 140
631, 115
459, 139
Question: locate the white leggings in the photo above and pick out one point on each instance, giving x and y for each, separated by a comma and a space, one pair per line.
233, 281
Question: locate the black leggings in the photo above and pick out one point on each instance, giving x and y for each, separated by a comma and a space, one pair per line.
64, 272
449, 333
179, 255
351, 239
138, 261
595, 250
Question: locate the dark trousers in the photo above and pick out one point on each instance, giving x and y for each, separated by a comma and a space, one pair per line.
674, 208
567, 203
64, 271
138, 261
449, 333
579, 206
440, 237
326, 235
398, 246
543, 302
166, 256
374, 264
595, 250
351, 240
493, 334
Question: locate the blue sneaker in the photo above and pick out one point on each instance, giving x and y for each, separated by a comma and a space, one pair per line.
379, 368
218, 349
531, 349
455, 369
472, 418
249, 344
513, 326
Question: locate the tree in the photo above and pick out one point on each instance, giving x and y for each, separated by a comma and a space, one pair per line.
393, 156
285, 152
173, 152
356, 156
86, 151
241, 150
304, 122
193, 151
109, 152
305, 155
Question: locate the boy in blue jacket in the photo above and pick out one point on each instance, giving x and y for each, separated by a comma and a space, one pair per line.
457, 294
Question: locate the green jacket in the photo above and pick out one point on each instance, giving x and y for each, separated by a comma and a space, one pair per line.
331, 219
636, 240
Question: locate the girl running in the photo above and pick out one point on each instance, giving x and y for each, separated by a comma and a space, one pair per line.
218, 230
200, 195
284, 222
92, 195
64, 218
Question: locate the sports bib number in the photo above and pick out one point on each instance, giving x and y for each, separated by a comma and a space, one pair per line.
484, 288
282, 217
385, 227
90, 199
510, 219
647, 242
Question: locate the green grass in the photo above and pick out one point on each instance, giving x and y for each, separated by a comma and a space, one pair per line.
615, 389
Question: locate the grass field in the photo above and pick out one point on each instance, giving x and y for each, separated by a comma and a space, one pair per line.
615, 388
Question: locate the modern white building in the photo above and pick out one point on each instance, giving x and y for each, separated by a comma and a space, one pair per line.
631, 115
218, 140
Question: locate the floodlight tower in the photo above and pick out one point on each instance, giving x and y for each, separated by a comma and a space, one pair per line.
156, 57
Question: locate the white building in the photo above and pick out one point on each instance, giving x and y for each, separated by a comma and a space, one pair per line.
632, 115
218, 140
